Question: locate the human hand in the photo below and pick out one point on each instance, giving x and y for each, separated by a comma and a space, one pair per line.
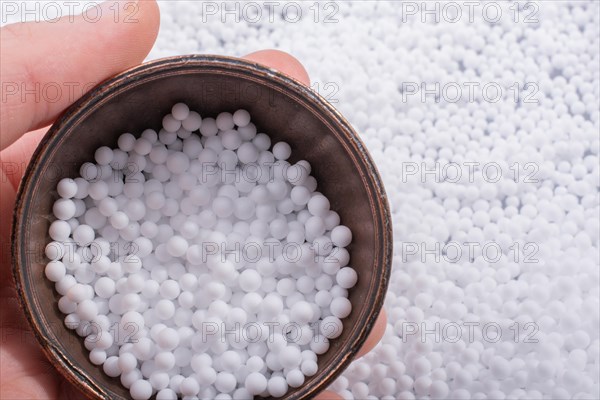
72, 54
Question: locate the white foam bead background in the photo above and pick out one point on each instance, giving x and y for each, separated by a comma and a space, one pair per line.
560, 55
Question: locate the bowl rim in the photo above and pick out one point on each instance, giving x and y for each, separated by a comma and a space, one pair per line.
124, 81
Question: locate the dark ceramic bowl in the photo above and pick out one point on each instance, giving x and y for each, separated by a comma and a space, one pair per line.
136, 99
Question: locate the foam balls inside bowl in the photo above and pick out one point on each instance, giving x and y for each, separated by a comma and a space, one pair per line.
197, 261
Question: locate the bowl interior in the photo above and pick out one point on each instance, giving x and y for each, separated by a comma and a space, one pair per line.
280, 107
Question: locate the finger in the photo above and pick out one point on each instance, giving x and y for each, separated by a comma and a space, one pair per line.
16, 156
14, 159
47, 66
24, 372
371, 342
375, 336
282, 62
7, 202
328, 395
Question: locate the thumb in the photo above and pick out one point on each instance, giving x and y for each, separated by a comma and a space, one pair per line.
48, 65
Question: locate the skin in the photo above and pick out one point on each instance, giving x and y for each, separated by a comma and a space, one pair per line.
61, 52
